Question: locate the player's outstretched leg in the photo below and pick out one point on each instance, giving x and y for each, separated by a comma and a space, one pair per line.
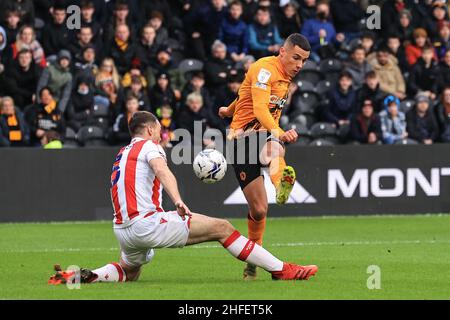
282, 176
205, 229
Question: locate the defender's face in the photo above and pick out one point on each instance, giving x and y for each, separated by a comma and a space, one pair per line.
293, 59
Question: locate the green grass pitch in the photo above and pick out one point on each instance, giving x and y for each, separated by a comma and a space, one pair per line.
413, 253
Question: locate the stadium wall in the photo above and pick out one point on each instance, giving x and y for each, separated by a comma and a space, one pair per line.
73, 184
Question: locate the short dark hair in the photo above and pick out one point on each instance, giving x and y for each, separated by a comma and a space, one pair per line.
296, 39
370, 75
346, 74
140, 120
46, 88
358, 47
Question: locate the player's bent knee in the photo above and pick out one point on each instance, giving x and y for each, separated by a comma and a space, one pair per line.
259, 211
224, 228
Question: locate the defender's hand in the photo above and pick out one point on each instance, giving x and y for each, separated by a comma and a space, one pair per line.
223, 112
182, 209
289, 136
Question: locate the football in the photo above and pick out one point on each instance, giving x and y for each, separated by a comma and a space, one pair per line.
210, 166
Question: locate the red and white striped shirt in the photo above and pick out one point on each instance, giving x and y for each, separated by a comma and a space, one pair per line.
135, 190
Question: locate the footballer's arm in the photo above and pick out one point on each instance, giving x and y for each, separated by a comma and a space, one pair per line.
169, 182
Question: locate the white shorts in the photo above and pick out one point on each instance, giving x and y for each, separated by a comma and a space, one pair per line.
160, 230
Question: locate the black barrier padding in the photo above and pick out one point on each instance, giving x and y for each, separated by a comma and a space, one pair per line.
73, 184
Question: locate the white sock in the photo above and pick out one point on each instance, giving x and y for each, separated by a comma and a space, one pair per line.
112, 272
249, 251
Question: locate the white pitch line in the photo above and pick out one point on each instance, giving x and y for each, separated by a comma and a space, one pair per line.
289, 244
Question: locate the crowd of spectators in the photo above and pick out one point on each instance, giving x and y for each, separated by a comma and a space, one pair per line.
183, 59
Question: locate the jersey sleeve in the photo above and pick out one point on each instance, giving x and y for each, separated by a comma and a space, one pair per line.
261, 83
153, 151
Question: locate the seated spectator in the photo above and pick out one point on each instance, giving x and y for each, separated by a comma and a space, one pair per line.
264, 38
162, 92
217, 68
87, 65
195, 112
443, 115
424, 75
321, 33
347, 15
122, 49
87, 19
413, 51
13, 125
389, 74
120, 16
58, 78
147, 47
26, 39
371, 91
164, 114
391, 10
133, 72
138, 90
308, 9
162, 35
393, 121
368, 42
22, 79
421, 123
24, 9
108, 71
57, 35
120, 131
164, 64
226, 97
11, 24
342, 104
358, 66
439, 15
442, 43
84, 39
403, 26
79, 109
44, 116
365, 127
444, 71
289, 21
233, 32
397, 51
197, 84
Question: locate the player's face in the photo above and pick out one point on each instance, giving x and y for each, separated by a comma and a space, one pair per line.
293, 59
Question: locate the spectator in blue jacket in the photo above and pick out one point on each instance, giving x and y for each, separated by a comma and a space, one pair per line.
393, 121
233, 32
264, 38
342, 104
321, 33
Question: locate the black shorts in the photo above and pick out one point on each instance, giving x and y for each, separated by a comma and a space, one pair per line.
247, 165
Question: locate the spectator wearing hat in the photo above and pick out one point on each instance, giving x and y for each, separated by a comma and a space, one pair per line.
443, 114
162, 92
79, 109
164, 64
26, 39
162, 35
347, 15
44, 116
147, 48
202, 26
57, 35
393, 121
358, 66
424, 75
442, 42
233, 32
58, 78
264, 37
122, 49
217, 68
197, 84
342, 103
289, 21
13, 126
22, 78
413, 51
365, 127
421, 123
389, 74
370, 90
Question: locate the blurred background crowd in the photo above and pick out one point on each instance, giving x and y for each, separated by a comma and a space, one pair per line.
183, 59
